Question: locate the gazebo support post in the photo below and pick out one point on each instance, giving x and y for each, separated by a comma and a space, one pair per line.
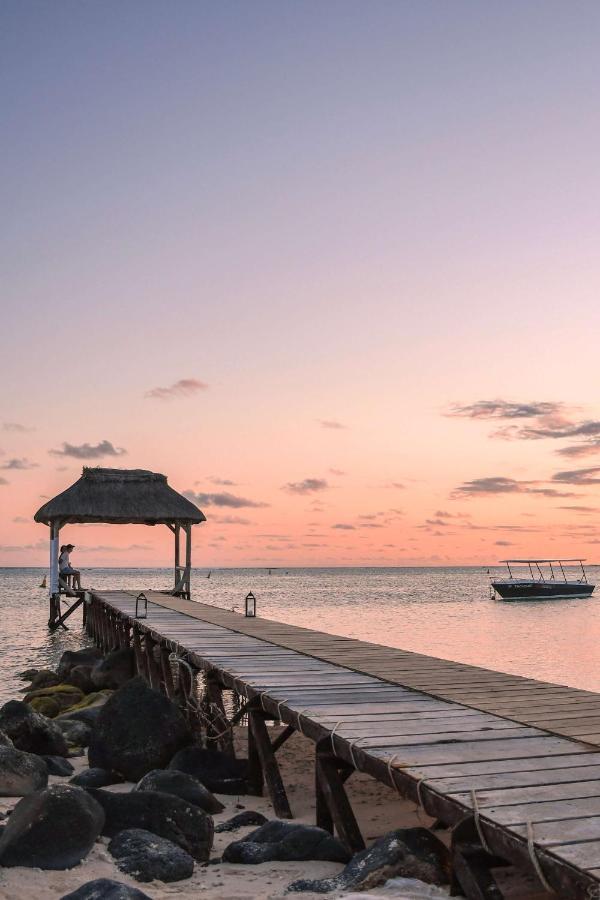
54, 594
176, 531
188, 561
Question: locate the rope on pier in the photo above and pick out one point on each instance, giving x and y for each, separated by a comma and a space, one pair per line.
390, 764
335, 728
192, 703
535, 861
300, 714
279, 705
351, 746
482, 839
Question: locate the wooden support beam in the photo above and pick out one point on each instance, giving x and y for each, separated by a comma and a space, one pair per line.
270, 768
167, 675
333, 794
255, 772
154, 673
220, 724
61, 618
285, 735
140, 660
472, 864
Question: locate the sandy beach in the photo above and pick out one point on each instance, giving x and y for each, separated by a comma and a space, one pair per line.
378, 810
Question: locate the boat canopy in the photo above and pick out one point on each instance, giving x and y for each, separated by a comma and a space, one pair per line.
577, 559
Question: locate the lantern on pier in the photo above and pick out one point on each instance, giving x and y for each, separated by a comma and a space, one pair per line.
250, 605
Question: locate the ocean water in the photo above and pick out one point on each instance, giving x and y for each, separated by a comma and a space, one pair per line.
445, 612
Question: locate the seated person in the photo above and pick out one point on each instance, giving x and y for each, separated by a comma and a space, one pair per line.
65, 567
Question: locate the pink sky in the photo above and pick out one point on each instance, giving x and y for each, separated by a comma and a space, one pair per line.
365, 215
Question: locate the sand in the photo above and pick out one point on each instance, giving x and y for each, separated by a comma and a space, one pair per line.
378, 810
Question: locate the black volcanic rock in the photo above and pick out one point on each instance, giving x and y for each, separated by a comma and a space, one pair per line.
137, 730
51, 829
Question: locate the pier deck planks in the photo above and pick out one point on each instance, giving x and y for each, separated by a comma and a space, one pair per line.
437, 730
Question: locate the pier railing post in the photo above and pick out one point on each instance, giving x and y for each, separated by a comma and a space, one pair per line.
270, 768
330, 775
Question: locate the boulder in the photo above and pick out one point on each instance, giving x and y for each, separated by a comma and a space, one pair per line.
81, 677
5, 741
106, 889
162, 814
77, 733
170, 781
137, 730
63, 695
43, 678
87, 714
88, 656
28, 674
114, 670
145, 856
21, 773
31, 731
58, 765
406, 852
45, 706
217, 771
241, 820
51, 829
284, 841
95, 778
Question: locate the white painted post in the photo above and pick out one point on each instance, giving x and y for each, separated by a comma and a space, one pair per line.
54, 532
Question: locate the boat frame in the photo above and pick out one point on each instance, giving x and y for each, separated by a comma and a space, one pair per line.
512, 588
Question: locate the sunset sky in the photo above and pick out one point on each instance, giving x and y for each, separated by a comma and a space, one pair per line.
333, 267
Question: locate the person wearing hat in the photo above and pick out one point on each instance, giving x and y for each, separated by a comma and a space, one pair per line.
65, 567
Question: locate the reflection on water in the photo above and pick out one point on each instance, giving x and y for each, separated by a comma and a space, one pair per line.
444, 612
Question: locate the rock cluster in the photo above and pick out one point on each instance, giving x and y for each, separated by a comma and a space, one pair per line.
413, 852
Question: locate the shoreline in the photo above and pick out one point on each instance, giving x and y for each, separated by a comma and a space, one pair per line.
378, 810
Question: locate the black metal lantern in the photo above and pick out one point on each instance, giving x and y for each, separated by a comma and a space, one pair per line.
141, 598
250, 605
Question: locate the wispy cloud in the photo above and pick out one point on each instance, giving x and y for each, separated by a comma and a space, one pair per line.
3, 480
185, 387
579, 476
332, 424
497, 484
223, 482
504, 543
230, 520
581, 509
21, 464
307, 486
224, 498
21, 520
88, 451
585, 448
107, 548
16, 427
337, 471
342, 526
504, 409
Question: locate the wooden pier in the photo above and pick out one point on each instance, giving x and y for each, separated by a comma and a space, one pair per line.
511, 764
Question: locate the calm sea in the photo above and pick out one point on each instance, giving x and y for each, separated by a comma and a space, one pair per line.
444, 612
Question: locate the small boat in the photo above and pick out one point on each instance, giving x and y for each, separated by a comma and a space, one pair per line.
542, 585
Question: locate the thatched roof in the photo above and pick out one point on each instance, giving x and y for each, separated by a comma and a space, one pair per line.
120, 496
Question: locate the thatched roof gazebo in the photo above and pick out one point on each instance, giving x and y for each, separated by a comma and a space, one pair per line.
122, 497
